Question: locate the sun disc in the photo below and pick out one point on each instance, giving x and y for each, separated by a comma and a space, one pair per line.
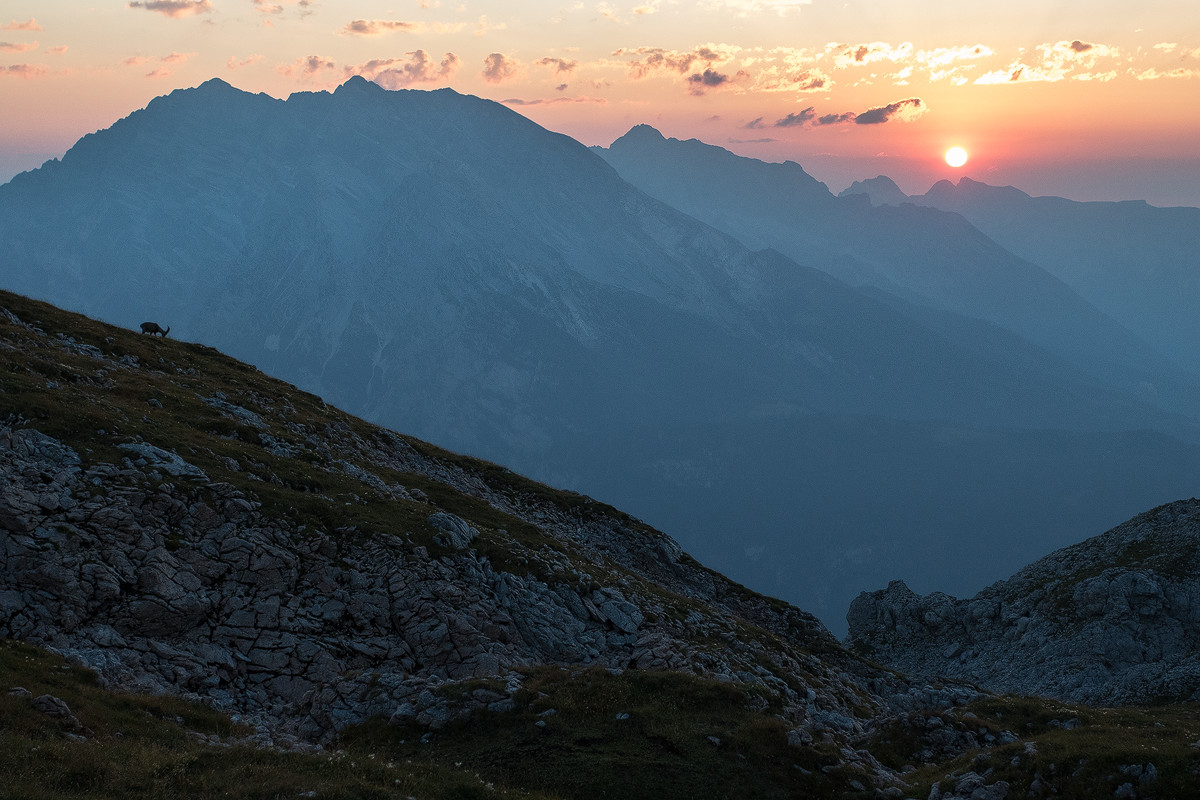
956, 156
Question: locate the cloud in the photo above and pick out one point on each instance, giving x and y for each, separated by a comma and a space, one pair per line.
835, 119
276, 6
755, 124
793, 119
27, 71
306, 66
731, 140
1055, 62
745, 8
775, 78
905, 110
857, 55
375, 27
560, 64
648, 8
562, 87
176, 58
1179, 72
18, 47
30, 24
699, 62
57, 51
175, 8
700, 82
498, 67
513, 101
482, 27
234, 63
398, 73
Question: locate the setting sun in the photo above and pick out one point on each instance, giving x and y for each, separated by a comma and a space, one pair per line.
956, 156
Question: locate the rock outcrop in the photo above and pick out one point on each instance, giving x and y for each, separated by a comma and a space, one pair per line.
1112, 620
244, 545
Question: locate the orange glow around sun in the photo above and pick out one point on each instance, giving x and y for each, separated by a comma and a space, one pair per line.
956, 156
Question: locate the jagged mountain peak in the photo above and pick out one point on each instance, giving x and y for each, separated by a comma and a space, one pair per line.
881, 189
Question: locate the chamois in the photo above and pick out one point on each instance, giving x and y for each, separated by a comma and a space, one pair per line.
153, 328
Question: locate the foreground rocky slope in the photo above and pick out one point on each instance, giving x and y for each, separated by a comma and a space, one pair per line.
425, 624
1112, 620
182, 524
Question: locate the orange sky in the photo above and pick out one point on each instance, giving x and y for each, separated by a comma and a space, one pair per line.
1091, 100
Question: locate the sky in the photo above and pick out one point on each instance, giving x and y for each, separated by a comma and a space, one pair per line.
1087, 99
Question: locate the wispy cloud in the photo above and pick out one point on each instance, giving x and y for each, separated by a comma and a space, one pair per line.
30, 24
498, 67
27, 71
1179, 72
18, 47
559, 65
648, 60
175, 8
905, 110
902, 110
553, 101
398, 73
1055, 62
307, 67
236, 63
794, 119
375, 27
164, 63
58, 50
745, 8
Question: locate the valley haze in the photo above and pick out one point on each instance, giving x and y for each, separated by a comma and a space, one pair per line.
813, 394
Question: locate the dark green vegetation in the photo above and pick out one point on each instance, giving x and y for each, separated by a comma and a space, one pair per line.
155, 747
591, 734
159, 747
1082, 752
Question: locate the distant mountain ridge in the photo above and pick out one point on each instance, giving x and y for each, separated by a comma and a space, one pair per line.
931, 258
1136, 262
439, 263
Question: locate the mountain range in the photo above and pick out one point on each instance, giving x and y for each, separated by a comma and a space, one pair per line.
442, 265
1137, 263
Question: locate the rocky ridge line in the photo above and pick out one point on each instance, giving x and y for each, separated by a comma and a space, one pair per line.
1112, 620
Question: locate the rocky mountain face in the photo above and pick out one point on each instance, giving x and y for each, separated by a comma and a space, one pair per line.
232, 540
1112, 620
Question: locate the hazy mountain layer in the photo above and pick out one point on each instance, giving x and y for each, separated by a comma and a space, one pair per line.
441, 264
933, 258
1138, 263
